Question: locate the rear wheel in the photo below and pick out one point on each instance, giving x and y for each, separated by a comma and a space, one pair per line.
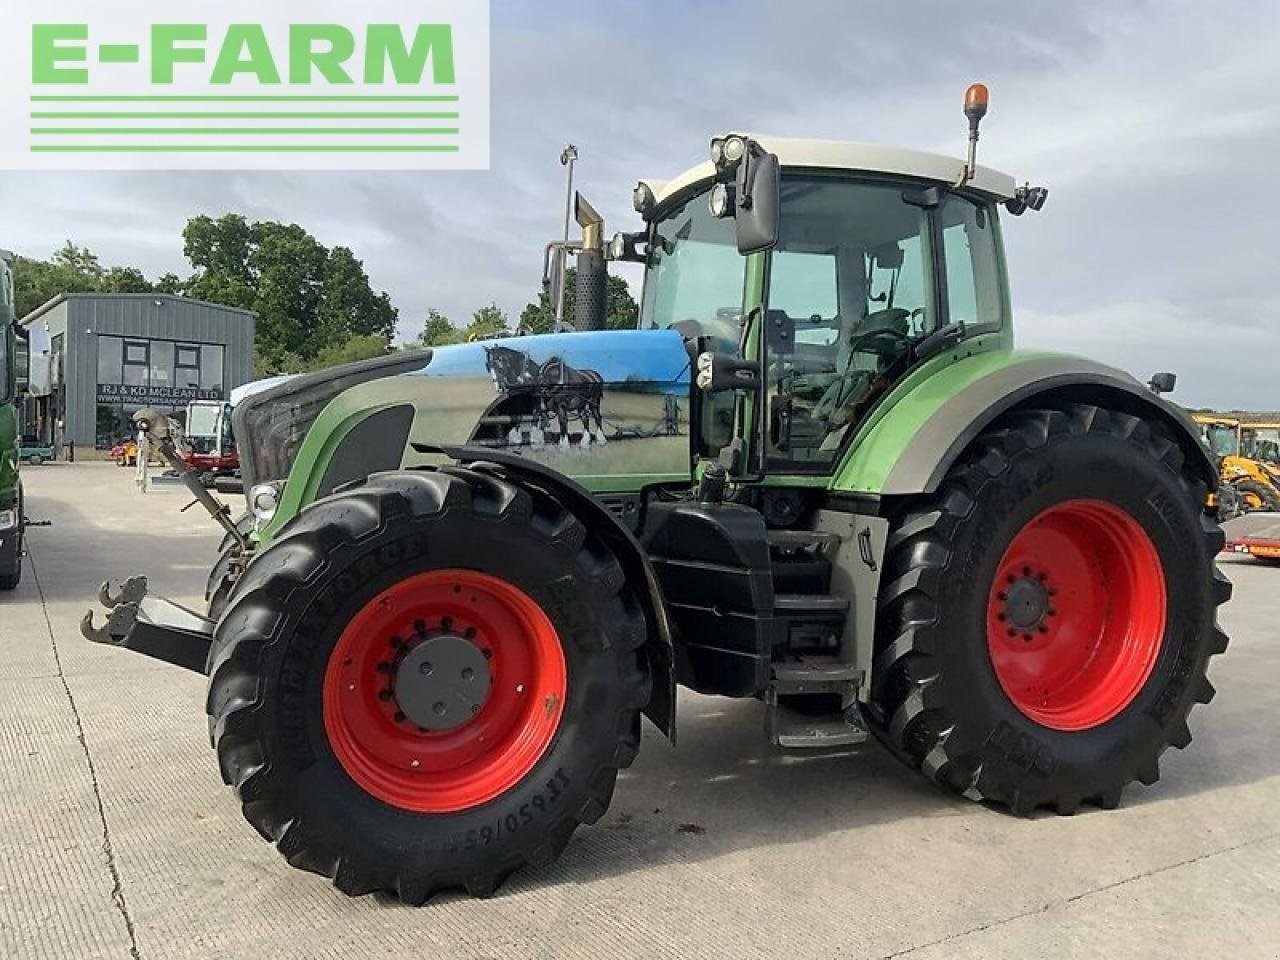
1046, 620
1255, 496
426, 682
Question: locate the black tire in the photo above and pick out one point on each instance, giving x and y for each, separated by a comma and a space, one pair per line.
222, 580
1265, 495
10, 581
288, 613
936, 699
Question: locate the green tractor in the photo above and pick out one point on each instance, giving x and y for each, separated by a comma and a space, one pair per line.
818, 476
12, 521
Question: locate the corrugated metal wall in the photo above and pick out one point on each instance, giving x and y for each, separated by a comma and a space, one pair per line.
153, 316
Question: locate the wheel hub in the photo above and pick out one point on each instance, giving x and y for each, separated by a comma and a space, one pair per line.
442, 682
1076, 614
1026, 604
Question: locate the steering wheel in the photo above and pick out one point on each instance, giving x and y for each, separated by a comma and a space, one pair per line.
883, 342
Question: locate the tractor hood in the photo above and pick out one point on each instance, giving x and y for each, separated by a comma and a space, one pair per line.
609, 408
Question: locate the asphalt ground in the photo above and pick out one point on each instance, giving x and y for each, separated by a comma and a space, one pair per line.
118, 839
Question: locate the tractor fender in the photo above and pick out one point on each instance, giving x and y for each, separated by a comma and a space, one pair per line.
659, 649
924, 435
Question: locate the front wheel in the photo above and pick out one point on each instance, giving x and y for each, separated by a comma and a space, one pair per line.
427, 682
1047, 619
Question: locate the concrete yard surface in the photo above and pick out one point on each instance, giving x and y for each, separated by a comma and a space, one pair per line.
118, 839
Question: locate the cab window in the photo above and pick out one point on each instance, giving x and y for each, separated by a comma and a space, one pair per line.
849, 295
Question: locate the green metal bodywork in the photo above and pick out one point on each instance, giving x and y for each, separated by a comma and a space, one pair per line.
9, 427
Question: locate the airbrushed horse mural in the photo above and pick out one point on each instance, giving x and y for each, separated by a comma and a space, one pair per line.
559, 391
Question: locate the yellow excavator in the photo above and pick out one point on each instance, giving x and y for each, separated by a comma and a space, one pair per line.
1233, 444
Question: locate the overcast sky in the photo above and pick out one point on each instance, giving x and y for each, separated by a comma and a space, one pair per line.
1156, 127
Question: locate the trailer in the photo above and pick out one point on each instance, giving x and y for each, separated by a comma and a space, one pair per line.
1255, 535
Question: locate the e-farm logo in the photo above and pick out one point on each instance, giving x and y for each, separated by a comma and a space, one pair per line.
130, 84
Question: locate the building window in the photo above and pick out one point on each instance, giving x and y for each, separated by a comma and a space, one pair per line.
161, 363
211, 367
137, 361
186, 366
110, 359
162, 374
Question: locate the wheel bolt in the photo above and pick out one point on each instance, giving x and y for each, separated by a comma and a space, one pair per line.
475, 708
424, 668
1043, 628
399, 716
488, 654
446, 623
467, 673
419, 626
438, 709
384, 695
469, 633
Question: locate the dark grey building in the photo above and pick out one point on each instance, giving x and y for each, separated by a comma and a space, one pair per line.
97, 358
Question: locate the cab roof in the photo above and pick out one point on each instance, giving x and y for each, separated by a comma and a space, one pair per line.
844, 155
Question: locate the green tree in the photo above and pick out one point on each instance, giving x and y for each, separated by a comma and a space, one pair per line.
170, 283
487, 322
71, 269
125, 280
219, 252
348, 304
308, 298
438, 331
621, 310
357, 348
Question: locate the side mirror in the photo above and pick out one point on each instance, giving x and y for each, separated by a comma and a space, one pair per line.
1163, 382
758, 192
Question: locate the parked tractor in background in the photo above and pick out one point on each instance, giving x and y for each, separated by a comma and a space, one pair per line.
12, 516
1254, 481
1261, 442
818, 476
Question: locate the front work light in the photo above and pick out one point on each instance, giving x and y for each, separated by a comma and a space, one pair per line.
643, 200
720, 200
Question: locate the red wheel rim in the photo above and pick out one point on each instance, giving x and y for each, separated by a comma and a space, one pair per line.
385, 750
1076, 614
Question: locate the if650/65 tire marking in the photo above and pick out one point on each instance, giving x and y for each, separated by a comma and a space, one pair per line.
512, 822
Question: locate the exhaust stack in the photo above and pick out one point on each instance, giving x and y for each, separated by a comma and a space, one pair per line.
590, 298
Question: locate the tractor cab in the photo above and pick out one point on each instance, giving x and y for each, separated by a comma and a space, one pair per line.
871, 268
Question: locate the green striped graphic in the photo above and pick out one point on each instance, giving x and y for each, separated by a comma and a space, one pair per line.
223, 131
245, 148
244, 99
